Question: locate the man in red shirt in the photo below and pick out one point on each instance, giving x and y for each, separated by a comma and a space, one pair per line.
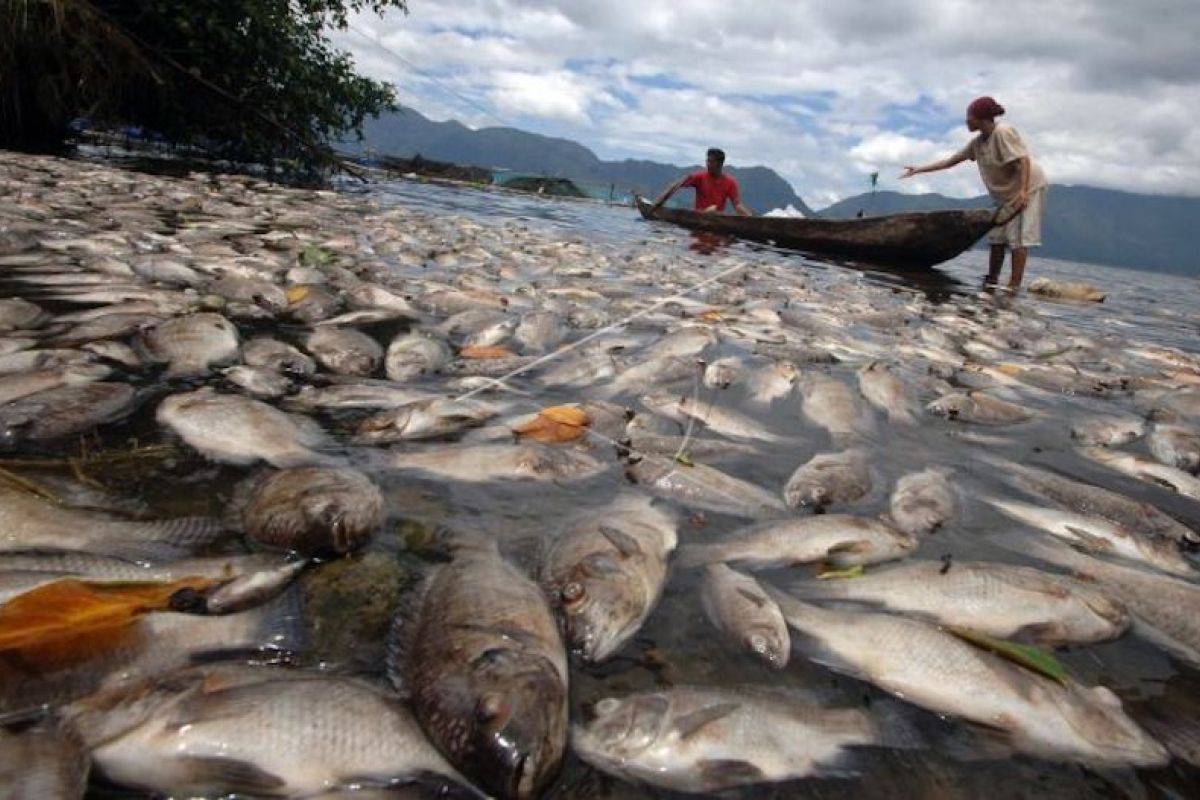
712, 187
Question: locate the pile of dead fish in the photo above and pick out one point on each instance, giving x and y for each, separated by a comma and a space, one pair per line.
734, 424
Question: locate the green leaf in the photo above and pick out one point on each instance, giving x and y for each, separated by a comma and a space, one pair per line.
855, 571
1031, 658
313, 256
685, 459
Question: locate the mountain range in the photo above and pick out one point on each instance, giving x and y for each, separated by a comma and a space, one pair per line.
1082, 223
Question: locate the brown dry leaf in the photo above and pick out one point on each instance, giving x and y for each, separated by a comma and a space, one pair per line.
556, 424
711, 315
296, 294
71, 608
482, 351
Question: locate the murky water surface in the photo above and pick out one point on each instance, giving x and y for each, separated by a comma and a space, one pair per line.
352, 600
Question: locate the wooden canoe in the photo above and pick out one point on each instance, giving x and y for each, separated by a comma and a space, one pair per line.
902, 241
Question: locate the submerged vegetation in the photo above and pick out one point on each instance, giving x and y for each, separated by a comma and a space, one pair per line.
247, 79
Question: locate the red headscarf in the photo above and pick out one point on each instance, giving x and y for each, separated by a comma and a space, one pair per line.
984, 108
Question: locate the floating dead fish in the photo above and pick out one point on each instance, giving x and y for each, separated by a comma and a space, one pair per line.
313, 509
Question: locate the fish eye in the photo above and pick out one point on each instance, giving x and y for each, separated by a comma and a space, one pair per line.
573, 592
608, 705
758, 643
490, 708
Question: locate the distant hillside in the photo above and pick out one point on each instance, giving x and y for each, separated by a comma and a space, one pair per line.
1097, 226
408, 133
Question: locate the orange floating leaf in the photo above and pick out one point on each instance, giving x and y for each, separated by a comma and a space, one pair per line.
71, 607
556, 424
297, 293
481, 351
711, 315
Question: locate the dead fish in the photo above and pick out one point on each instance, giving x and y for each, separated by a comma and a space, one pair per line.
345, 351
372, 295
254, 291
840, 539
357, 394
540, 331
938, 671
117, 352
605, 570
239, 430
1176, 446
28, 522
739, 608
477, 651
829, 478
30, 360
17, 314
260, 731
772, 382
724, 372
191, 344
997, 599
1135, 466
654, 372
831, 404
1107, 431
886, 392
979, 408
722, 420
703, 487
259, 381
65, 411
489, 462
313, 509
316, 305
922, 501
423, 419
277, 356
711, 740
1067, 290
1099, 534
24, 384
412, 355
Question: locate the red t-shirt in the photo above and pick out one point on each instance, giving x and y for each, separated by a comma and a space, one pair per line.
712, 191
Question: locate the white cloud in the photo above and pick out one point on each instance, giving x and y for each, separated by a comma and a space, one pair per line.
1102, 90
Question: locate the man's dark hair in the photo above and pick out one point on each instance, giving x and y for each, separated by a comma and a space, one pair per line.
717, 154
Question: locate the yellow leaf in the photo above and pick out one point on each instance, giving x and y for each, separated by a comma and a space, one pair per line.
855, 571
711, 315
555, 425
297, 293
485, 352
71, 607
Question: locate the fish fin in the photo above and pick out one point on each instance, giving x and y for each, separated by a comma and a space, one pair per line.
229, 774
626, 545
690, 724
399, 638
283, 626
723, 773
697, 555
1091, 540
897, 725
600, 565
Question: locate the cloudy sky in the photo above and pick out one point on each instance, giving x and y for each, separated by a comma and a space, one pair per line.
1105, 92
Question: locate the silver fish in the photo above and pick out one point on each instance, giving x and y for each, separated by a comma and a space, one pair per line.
477, 651
423, 419
829, 478
832, 405
722, 420
724, 372
489, 462
703, 487
28, 522
23, 384
357, 394
1106, 430
239, 430
886, 392
1099, 534
412, 355
1176, 446
191, 344
772, 382
276, 356
979, 408
1171, 478
739, 608
258, 381
997, 599
936, 670
279, 734
922, 501
65, 411
840, 539
17, 314
708, 740
605, 570
540, 331
345, 351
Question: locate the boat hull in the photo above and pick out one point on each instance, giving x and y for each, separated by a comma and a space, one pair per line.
911, 241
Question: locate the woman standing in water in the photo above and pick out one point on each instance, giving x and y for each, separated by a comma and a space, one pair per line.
1011, 177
